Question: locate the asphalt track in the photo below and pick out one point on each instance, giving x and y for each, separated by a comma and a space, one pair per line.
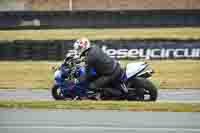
75, 121
64, 121
178, 95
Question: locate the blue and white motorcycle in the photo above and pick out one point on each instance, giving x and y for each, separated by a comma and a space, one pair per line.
69, 86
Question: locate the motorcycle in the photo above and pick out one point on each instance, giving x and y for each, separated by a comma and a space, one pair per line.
69, 86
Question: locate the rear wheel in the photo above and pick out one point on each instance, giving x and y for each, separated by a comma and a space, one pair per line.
144, 89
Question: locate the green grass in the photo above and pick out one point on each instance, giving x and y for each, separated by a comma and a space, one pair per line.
104, 105
26, 74
39, 75
94, 34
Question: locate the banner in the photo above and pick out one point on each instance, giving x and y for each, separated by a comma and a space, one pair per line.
151, 50
119, 49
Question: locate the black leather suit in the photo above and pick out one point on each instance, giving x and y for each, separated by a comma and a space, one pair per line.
108, 70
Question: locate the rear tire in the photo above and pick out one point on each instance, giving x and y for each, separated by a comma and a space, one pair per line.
56, 93
144, 86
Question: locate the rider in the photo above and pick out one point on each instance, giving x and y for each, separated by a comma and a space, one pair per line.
107, 69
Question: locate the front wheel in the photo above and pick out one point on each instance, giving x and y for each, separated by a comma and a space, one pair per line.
144, 89
56, 93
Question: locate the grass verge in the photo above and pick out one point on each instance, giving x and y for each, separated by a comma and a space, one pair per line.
94, 34
104, 105
38, 75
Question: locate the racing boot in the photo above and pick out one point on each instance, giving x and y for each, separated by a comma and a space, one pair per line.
124, 91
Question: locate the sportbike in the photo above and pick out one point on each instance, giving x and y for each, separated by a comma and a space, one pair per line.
70, 86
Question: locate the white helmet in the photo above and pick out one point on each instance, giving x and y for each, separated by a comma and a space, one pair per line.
82, 45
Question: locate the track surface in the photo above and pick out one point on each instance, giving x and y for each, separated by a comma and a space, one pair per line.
62, 121
179, 95
58, 121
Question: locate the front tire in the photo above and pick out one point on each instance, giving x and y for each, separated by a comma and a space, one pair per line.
144, 87
56, 93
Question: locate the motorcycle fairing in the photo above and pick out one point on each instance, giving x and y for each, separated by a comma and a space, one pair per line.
132, 69
68, 86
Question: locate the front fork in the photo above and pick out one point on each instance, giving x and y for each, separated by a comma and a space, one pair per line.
64, 86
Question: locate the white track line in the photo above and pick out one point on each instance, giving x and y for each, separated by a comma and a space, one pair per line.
102, 128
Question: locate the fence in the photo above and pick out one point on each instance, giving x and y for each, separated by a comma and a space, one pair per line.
55, 5
98, 19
